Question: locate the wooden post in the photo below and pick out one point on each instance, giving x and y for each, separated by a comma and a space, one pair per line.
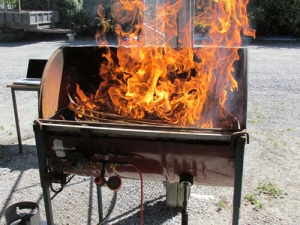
5, 6
19, 5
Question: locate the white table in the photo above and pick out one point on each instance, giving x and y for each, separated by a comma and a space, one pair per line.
20, 87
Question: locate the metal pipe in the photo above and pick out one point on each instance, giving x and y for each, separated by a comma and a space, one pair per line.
100, 204
184, 214
110, 210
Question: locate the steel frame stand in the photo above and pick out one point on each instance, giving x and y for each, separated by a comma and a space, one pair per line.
239, 162
186, 181
239, 141
43, 169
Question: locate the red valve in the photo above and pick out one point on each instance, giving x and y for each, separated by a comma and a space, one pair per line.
99, 181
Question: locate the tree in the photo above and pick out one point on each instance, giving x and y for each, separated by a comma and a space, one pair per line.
12, 3
275, 17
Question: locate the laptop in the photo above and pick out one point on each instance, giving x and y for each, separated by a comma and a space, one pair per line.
35, 71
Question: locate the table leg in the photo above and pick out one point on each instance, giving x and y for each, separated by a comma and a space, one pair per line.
17, 119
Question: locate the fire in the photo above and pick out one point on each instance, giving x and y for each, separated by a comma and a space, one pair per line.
158, 74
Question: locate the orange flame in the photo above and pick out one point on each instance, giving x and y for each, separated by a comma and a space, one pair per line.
157, 80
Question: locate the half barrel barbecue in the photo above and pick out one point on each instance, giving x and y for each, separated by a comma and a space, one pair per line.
109, 147
155, 108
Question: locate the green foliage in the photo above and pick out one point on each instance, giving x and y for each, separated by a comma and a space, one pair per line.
13, 3
221, 204
34, 5
28, 4
275, 17
81, 15
252, 198
269, 188
68, 10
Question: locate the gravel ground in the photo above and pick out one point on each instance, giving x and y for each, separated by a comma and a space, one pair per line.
271, 158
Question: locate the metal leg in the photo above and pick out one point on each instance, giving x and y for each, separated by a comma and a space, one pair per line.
240, 146
40, 147
184, 214
17, 119
186, 181
100, 206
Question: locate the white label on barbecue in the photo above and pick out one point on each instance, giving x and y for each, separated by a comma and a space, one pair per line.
58, 147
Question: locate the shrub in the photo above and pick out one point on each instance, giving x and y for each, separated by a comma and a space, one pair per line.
275, 17
81, 15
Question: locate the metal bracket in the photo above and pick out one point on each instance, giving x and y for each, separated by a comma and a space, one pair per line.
38, 123
235, 135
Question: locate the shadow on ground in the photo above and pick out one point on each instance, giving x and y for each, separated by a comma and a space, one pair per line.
154, 212
11, 158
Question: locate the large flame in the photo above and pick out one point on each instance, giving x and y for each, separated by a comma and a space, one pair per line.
161, 76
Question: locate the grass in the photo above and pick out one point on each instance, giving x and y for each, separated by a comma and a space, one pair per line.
252, 121
1, 128
275, 144
258, 119
267, 188
258, 115
221, 204
289, 129
252, 198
